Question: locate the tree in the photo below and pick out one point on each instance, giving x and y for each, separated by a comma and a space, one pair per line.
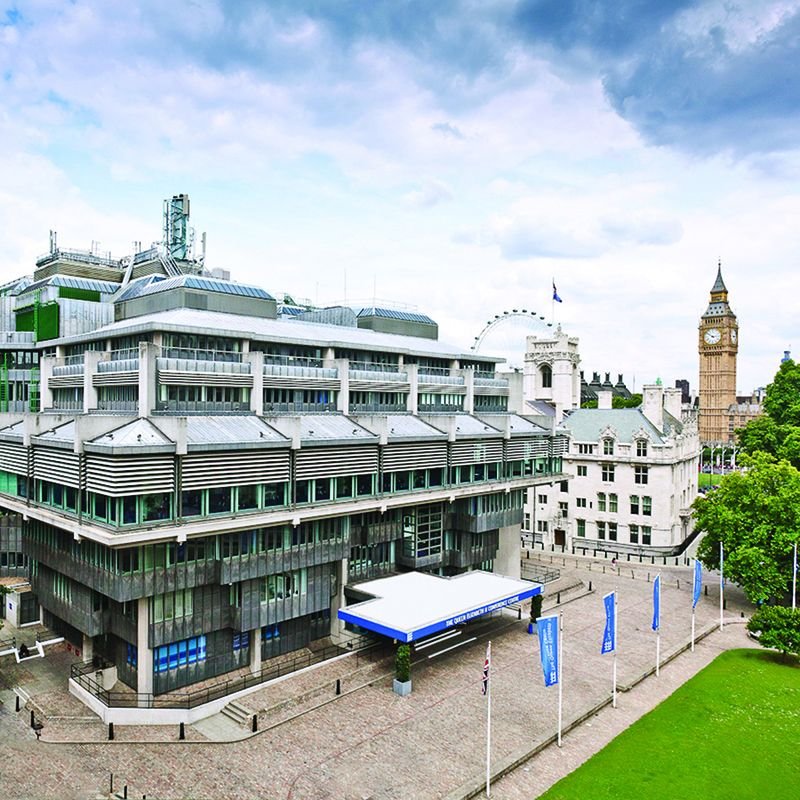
402, 663
756, 516
777, 431
777, 627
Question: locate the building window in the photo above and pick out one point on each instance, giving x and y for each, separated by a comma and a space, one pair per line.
647, 506
608, 473
526, 524
547, 376
634, 533
612, 531
601, 501
640, 474
241, 640
580, 502
586, 449
646, 530
178, 654
581, 527
641, 448
541, 526
542, 499
582, 471
564, 486
612, 503
563, 509
173, 605
601, 530
634, 504
608, 447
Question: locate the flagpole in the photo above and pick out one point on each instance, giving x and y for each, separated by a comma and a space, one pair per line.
794, 579
721, 584
614, 661
560, 669
488, 720
658, 629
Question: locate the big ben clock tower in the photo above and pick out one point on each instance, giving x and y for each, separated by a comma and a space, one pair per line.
718, 345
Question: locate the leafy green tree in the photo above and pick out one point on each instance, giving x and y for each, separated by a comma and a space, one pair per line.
402, 663
756, 516
777, 431
778, 627
634, 401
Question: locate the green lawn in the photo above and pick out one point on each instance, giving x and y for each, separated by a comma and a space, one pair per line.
705, 479
731, 732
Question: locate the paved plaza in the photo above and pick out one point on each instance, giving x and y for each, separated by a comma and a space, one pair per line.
370, 743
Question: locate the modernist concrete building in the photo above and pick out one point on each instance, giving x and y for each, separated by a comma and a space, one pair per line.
206, 475
633, 471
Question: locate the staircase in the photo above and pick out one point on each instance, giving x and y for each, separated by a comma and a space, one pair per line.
238, 713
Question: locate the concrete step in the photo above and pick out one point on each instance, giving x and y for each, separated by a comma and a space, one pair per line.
238, 713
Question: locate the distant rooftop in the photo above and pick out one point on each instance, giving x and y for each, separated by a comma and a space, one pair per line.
157, 283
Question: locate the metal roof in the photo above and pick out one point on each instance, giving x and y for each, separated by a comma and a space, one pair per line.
519, 425
71, 282
587, 424
281, 330
230, 431
400, 426
60, 435
196, 282
391, 313
139, 433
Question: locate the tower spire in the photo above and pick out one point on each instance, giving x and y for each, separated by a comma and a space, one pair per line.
719, 284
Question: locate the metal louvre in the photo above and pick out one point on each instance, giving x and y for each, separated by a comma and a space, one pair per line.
441, 388
476, 452
114, 378
13, 458
241, 468
65, 381
299, 382
380, 386
330, 462
123, 475
58, 466
536, 447
559, 445
414, 455
175, 378
491, 391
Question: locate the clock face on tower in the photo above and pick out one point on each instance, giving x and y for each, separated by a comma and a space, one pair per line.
712, 336
733, 336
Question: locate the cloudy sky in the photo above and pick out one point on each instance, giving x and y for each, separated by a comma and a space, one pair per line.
452, 156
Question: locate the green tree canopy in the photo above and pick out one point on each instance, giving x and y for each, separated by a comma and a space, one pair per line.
756, 516
777, 627
777, 431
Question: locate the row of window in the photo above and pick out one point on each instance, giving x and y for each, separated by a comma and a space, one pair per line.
609, 502
179, 654
637, 534
640, 473
608, 446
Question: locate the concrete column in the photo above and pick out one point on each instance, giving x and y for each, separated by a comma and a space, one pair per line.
343, 402
516, 399
329, 357
256, 361
469, 385
255, 651
144, 655
46, 365
413, 392
337, 601
91, 358
148, 388
507, 560
87, 648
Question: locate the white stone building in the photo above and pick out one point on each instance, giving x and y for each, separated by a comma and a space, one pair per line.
633, 470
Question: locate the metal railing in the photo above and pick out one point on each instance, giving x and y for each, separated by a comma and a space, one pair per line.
83, 674
201, 354
293, 408
120, 365
125, 354
375, 375
449, 380
373, 366
292, 361
301, 370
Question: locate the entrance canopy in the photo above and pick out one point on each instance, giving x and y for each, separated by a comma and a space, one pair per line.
411, 606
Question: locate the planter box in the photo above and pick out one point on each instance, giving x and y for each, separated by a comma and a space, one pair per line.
403, 688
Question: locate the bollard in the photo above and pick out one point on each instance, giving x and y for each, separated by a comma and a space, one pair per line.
706, 591
628, 557
558, 598
125, 792
182, 732
338, 686
590, 586
652, 559
110, 731
741, 613
527, 554
678, 582
519, 613
17, 702
32, 720
648, 577
604, 569
111, 783
255, 722
633, 574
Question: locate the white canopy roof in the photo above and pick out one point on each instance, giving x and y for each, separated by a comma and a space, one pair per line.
411, 606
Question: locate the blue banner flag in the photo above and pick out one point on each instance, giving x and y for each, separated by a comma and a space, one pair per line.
698, 582
555, 294
547, 628
657, 603
610, 632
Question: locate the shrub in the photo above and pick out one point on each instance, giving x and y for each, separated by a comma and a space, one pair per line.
402, 663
